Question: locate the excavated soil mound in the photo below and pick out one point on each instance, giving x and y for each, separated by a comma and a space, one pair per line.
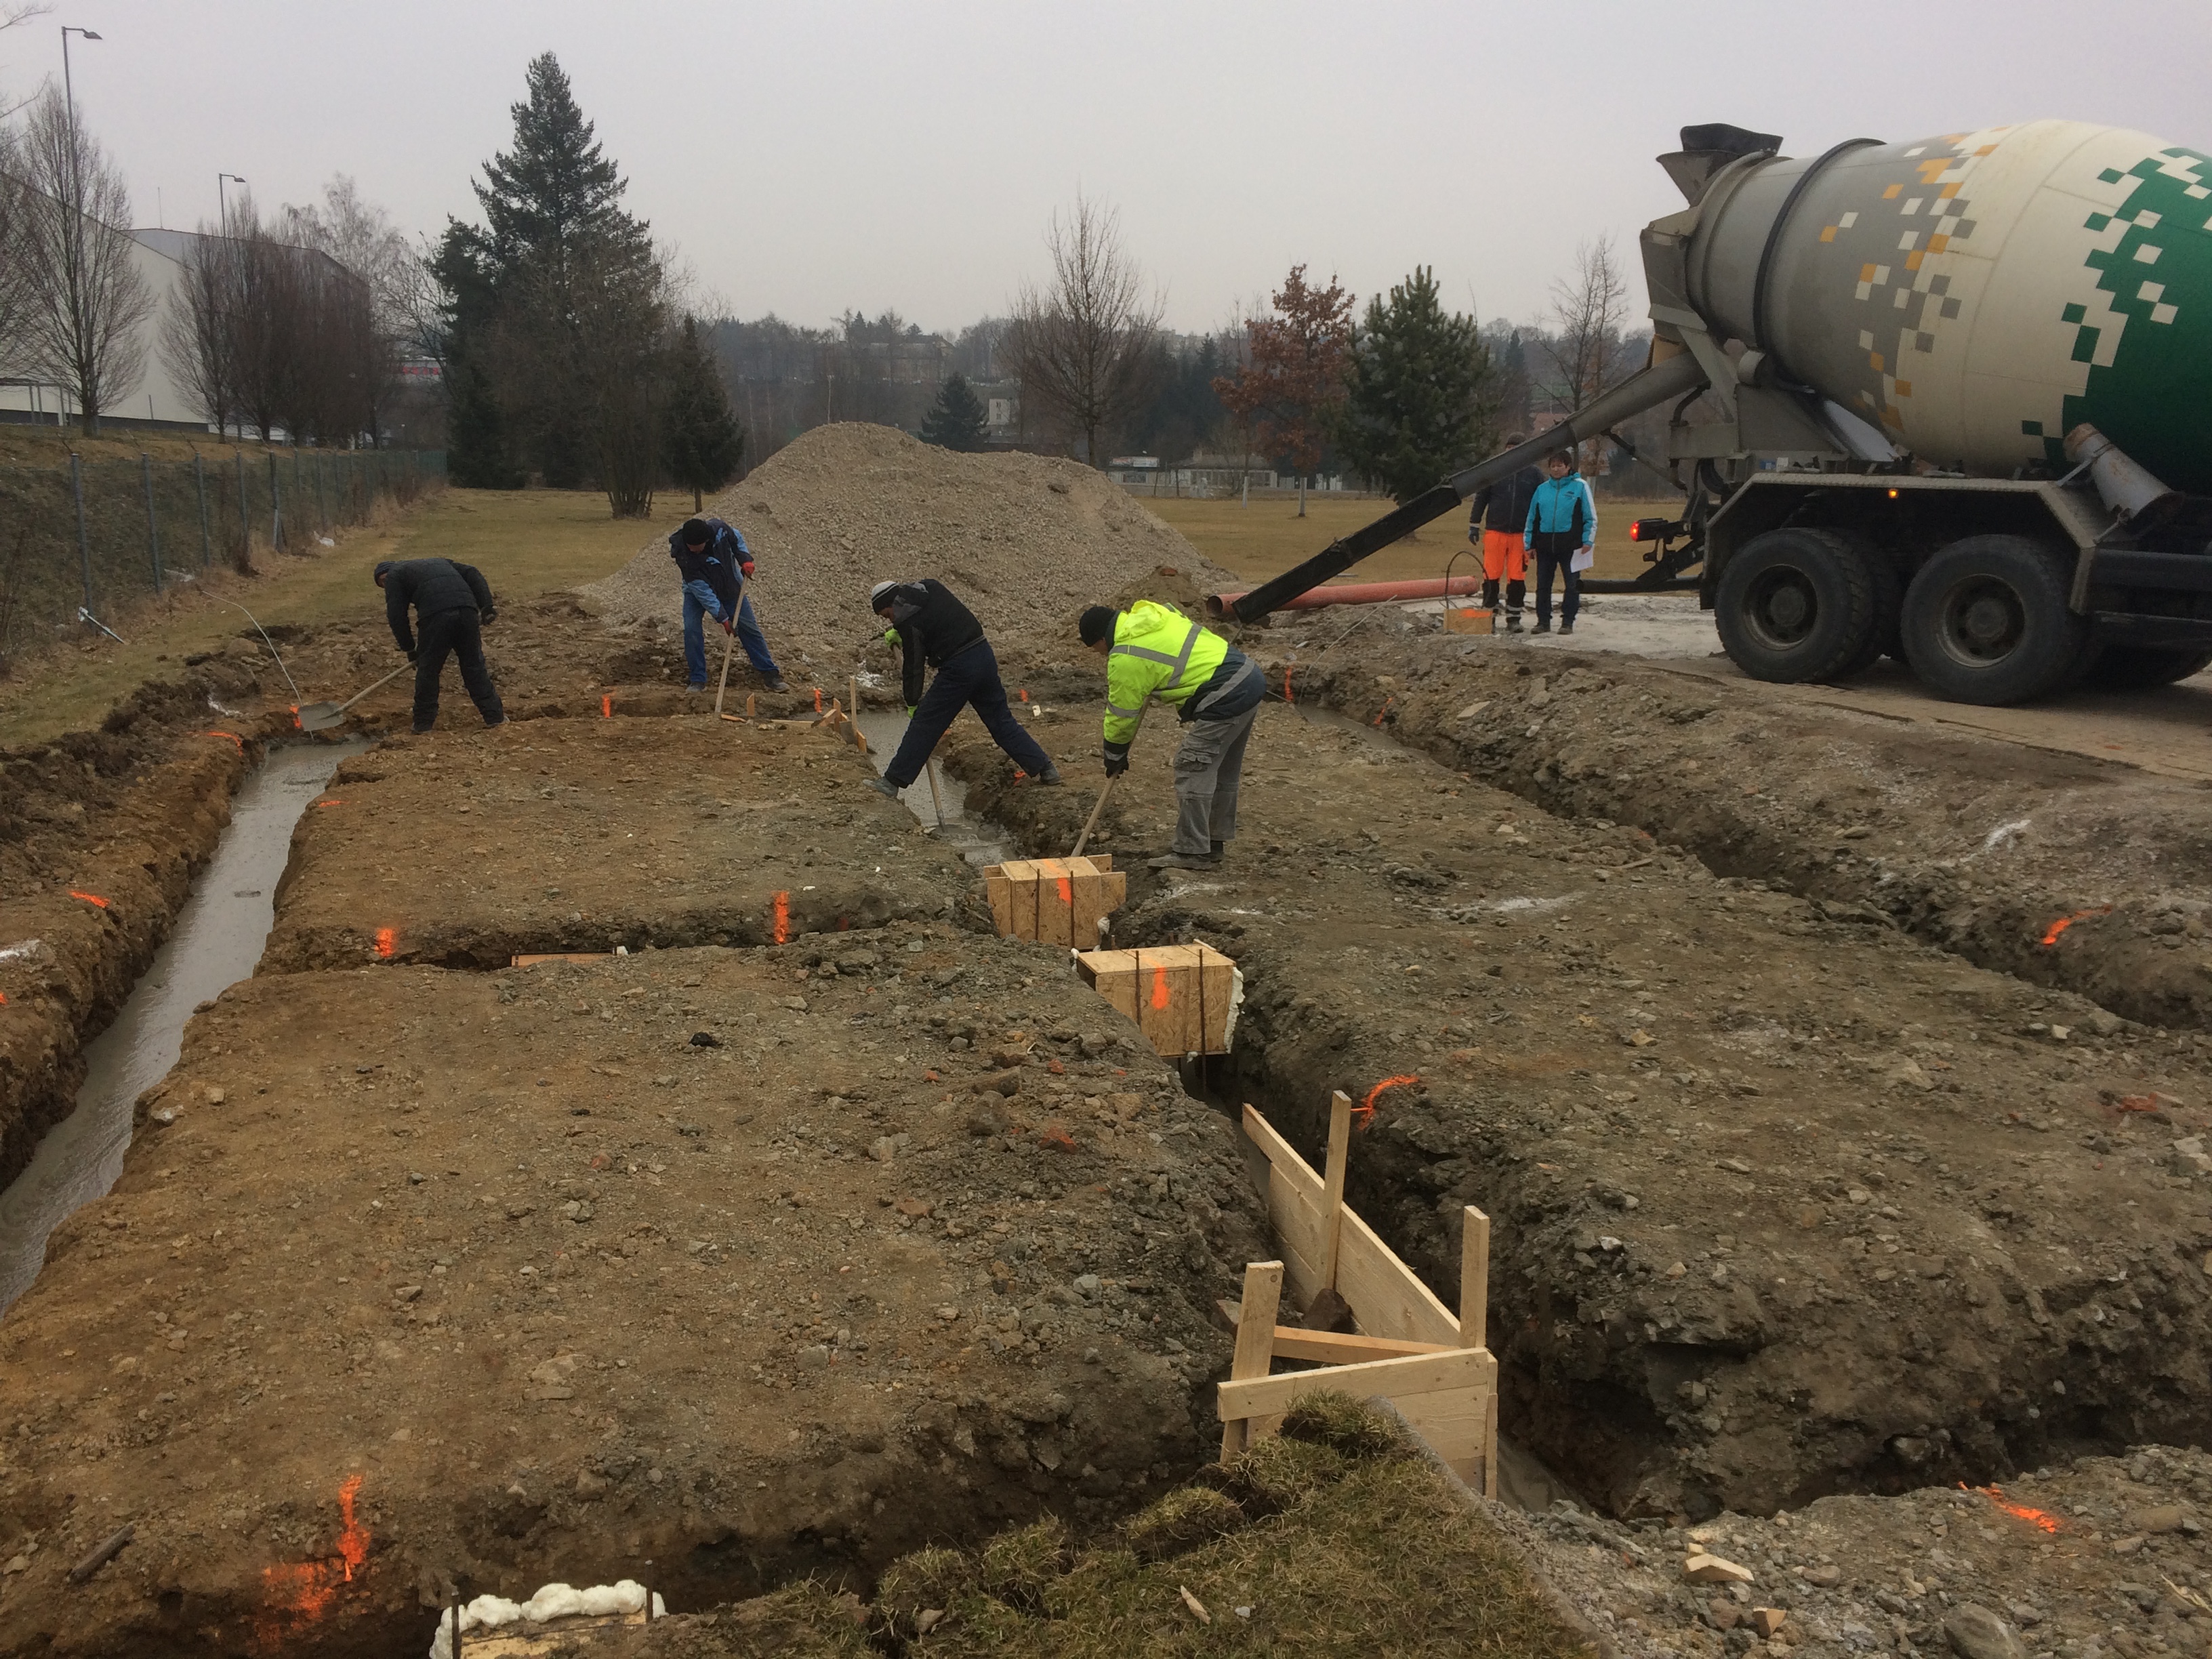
435, 1281
1026, 541
582, 835
1785, 1203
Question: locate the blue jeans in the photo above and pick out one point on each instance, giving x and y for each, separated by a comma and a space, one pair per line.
699, 601
970, 679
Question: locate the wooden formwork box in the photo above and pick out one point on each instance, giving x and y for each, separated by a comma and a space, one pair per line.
1184, 998
1055, 901
1436, 1369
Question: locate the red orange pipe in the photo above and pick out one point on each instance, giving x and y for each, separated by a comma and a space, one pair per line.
1418, 587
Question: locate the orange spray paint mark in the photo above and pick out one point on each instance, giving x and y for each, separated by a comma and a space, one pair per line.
1066, 890
1159, 987
90, 898
817, 699
2050, 935
607, 706
2043, 1519
4, 999
1365, 1112
303, 1591
783, 918
1287, 697
1025, 694
1387, 701
234, 737
387, 941
334, 801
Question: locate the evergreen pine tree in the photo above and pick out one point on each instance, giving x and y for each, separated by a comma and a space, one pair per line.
555, 188
958, 419
1421, 385
704, 442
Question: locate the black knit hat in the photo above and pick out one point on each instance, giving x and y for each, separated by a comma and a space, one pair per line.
694, 533
383, 569
1098, 623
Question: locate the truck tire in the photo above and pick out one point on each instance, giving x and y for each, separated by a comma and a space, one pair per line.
1795, 604
1986, 621
2142, 667
1881, 639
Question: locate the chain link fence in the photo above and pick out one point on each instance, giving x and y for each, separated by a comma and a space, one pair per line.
84, 541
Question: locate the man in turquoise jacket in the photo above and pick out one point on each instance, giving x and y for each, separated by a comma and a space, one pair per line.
1152, 651
1562, 533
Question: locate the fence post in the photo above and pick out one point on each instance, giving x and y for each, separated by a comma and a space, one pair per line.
83, 542
275, 508
207, 537
245, 522
153, 525
322, 489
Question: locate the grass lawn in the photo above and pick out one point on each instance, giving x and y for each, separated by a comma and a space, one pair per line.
525, 542
1267, 538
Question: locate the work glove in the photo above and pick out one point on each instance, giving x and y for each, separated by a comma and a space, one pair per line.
729, 624
1117, 764
487, 618
747, 567
910, 711
891, 636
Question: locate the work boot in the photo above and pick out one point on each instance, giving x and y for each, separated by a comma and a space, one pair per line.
884, 786
1513, 622
1219, 847
1566, 628
1186, 861
777, 682
1050, 776
1541, 627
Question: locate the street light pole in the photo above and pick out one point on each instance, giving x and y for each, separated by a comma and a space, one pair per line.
222, 207
79, 326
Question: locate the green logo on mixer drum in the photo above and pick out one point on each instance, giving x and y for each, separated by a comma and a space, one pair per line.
2148, 340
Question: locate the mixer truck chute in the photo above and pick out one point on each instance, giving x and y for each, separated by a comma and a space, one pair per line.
1950, 403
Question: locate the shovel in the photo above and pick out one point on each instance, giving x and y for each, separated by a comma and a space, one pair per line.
321, 716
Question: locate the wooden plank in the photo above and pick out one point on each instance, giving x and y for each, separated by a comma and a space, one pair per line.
1332, 1201
1397, 1379
1331, 1347
1474, 1279
1056, 903
1386, 1295
531, 959
1000, 892
1455, 1422
1263, 1294
1086, 902
1490, 1446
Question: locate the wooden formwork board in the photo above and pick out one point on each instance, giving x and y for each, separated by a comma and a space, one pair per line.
1184, 997
1442, 1378
1055, 901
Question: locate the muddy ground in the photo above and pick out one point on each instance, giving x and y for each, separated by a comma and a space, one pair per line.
1786, 1202
1973, 843
558, 1284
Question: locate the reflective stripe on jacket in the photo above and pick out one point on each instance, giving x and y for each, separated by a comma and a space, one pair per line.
1157, 652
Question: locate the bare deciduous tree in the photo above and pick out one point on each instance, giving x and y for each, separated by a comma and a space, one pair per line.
1082, 345
89, 303
1589, 310
360, 237
196, 338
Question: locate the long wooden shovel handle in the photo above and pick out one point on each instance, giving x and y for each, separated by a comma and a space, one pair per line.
729, 646
1082, 839
387, 680
935, 800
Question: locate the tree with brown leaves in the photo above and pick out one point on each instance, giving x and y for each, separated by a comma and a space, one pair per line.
1292, 382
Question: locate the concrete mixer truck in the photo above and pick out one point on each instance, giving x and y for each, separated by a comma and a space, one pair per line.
1949, 400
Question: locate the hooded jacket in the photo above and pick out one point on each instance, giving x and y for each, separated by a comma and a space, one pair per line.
430, 586
934, 628
718, 564
1562, 515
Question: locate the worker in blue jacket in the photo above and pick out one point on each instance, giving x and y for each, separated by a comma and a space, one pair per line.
1562, 533
710, 557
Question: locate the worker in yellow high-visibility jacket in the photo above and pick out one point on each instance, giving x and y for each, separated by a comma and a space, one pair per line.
1152, 651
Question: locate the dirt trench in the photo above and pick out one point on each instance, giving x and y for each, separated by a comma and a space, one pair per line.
713, 1266
1786, 1203
2087, 875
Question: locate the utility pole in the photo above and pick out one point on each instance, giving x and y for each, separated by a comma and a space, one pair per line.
80, 325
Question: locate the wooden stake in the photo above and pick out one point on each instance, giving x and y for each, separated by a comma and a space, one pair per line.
1332, 1212
749, 704
1092, 823
1256, 1341
1474, 1279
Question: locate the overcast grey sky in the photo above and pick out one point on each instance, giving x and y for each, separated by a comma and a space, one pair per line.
810, 159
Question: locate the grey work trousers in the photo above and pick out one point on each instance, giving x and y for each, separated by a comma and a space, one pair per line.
1207, 768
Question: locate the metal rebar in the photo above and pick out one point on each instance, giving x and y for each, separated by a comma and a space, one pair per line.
83, 541
153, 523
207, 536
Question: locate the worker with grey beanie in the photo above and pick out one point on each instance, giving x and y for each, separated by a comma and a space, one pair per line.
930, 625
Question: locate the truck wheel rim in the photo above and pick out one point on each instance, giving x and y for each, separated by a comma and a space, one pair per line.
1982, 622
1782, 609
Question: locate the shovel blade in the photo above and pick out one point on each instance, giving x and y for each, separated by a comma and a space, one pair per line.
321, 716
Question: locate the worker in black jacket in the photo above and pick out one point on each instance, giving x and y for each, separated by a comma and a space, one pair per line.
452, 602
1495, 523
931, 626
